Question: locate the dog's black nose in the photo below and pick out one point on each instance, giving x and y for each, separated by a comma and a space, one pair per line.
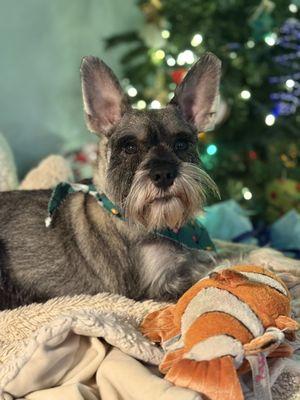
163, 175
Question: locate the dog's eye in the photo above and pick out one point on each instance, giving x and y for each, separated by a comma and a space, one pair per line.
181, 145
130, 148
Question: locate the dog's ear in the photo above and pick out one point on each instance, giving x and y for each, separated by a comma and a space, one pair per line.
198, 94
103, 98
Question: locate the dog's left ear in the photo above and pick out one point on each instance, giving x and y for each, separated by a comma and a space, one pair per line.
198, 94
103, 98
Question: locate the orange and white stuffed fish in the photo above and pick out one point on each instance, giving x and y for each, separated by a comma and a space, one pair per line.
225, 323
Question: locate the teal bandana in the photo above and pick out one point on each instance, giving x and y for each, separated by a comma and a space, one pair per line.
192, 235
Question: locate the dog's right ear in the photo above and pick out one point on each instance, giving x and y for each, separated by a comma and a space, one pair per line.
104, 101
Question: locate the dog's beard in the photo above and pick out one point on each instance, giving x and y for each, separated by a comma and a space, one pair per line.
155, 208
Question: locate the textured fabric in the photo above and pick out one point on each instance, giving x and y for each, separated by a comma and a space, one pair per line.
47, 174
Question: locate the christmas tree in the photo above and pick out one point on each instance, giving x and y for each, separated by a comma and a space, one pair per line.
253, 153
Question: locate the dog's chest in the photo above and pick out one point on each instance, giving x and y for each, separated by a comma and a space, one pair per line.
156, 256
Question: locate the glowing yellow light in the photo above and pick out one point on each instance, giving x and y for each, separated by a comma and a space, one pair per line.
155, 104
270, 120
245, 94
141, 104
132, 92
186, 57
250, 44
247, 194
165, 34
171, 61
293, 8
290, 83
270, 39
196, 40
160, 54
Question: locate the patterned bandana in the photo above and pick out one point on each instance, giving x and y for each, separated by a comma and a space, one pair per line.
192, 235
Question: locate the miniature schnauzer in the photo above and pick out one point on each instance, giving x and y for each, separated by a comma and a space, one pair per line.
148, 166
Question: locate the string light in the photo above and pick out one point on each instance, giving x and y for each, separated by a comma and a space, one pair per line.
290, 83
233, 55
287, 101
186, 57
171, 61
250, 44
158, 56
141, 104
132, 92
196, 40
165, 34
211, 149
247, 194
155, 104
293, 8
270, 39
245, 94
270, 120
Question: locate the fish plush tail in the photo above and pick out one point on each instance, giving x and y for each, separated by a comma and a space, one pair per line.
217, 379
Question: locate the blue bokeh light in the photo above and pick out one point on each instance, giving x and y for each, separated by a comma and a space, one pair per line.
211, 149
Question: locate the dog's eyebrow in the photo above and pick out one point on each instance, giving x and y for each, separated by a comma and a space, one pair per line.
184, 135
125, 138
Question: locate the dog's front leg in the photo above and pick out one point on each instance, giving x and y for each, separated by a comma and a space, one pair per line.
167, 270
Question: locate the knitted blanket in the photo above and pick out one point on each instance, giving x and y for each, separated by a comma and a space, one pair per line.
89, 348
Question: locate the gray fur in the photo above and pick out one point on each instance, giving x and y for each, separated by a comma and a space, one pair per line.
87, 250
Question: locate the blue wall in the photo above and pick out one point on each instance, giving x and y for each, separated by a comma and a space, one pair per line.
41, 45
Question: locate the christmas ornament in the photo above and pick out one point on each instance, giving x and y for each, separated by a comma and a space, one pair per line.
178, 75
151, 10
282, 195
150, 33
261, 21
83, 160
252, 155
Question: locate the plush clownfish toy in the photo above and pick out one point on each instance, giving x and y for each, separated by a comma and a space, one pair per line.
225, 323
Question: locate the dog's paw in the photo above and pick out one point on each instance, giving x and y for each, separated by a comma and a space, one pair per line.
178, 281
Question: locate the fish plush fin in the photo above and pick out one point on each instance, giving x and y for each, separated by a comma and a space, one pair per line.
229, 277
288, 325
159, 325
217, 379
170, 359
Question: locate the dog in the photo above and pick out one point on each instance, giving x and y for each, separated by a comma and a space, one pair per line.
148, 166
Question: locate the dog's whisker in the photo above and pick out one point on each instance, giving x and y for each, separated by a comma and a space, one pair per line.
157, 208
